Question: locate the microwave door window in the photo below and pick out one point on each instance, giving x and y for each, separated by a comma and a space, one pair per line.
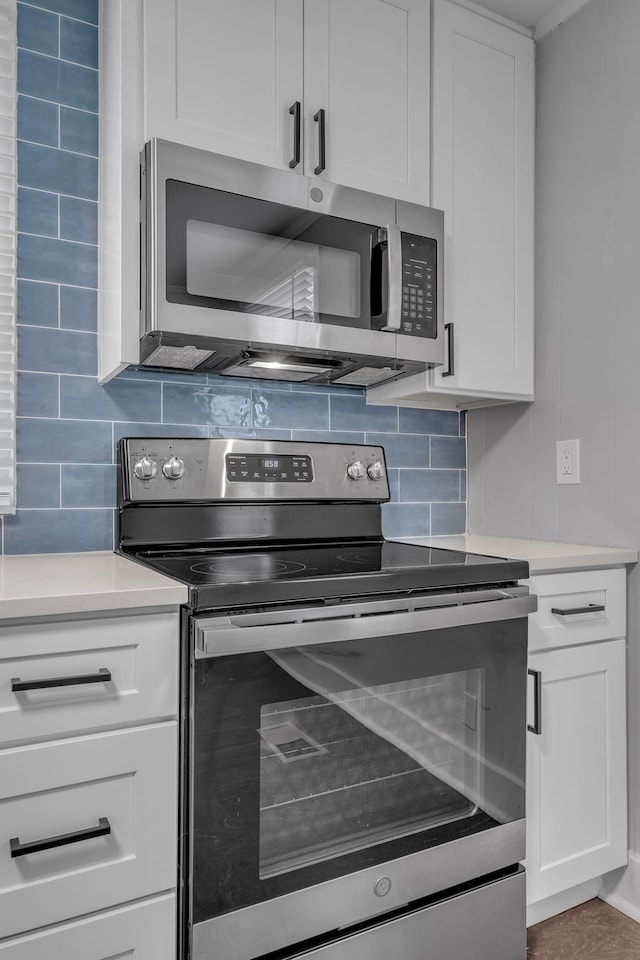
272, 276
236, 253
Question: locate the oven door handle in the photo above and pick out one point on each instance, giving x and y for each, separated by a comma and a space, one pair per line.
249, 633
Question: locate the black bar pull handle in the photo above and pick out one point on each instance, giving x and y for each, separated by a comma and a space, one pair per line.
448, 329
320, 119
536, 726
102, 676
295, 111
36, 846
570, 611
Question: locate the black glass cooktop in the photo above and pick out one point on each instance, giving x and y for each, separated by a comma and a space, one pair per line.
225, 577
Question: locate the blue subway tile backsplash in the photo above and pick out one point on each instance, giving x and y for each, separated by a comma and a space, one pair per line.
59, 171
38, 30
79, 131
38, 212
79, 42
37, 121
38, 303
68, 424
50, 79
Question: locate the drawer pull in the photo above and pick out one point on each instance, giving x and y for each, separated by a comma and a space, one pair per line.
36, 846
536, 726
102, 676
571, 611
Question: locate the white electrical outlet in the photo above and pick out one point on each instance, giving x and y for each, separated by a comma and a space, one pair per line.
568, 461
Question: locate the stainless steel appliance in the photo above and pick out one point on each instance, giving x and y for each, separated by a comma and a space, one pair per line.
252, 271
353, 709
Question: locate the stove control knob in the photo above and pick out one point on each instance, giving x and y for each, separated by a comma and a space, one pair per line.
173, 468
145, 468
356, 470
376, 470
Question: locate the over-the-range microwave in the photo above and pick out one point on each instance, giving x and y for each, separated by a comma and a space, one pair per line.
257, 272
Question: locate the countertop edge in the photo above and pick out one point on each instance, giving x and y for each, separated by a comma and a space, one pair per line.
543, 556
92, 583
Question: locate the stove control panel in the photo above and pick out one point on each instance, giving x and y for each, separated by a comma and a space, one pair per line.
283, 468
181, 470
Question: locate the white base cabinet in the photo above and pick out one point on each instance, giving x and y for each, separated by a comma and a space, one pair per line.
483, 123
576, 812
576, 762
145, 931
89, 787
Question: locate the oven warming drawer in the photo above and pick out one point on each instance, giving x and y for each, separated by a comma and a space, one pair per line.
462, 926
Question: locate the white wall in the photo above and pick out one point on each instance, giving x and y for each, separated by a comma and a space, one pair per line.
587, 320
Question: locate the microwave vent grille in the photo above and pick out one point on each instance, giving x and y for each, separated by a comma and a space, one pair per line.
367, 376
180, 358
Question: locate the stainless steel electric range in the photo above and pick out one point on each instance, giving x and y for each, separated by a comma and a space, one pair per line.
353, 715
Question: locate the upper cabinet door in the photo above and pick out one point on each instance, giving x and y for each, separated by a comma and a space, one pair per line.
223, 74
367, 65
483, 146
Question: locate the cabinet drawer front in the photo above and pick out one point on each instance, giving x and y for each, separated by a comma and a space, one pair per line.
146, 931
570, 608
141, 657
126, 778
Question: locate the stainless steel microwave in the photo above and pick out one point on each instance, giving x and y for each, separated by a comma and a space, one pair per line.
257, 272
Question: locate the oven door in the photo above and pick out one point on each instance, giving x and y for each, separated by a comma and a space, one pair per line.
349, 759
247, 254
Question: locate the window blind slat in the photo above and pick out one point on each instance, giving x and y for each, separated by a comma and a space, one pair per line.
7, 254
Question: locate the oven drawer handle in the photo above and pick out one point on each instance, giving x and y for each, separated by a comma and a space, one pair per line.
103, 829
572, 611
223, 636
102, 676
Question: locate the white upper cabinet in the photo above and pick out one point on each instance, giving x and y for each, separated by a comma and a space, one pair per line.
367, 65
482, 177
223, 74
226, 75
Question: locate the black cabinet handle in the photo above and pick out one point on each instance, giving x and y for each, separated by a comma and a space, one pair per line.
448, 329
536, 726
36, 846
102, 676
319, 118
294, 110
570, 611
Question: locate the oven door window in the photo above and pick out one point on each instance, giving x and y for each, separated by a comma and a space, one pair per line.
230, 252
314, 762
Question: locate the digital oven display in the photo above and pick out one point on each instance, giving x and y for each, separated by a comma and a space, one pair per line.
253, 468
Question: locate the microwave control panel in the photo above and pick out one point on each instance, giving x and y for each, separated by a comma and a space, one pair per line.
419, 286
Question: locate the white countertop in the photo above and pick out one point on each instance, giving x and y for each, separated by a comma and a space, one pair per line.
67, 583
544, 556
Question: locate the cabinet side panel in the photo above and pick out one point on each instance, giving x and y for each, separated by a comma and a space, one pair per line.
119, 196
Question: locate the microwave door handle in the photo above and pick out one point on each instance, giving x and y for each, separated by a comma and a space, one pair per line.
394, 278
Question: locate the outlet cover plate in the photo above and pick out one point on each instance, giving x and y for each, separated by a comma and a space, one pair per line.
568, 461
